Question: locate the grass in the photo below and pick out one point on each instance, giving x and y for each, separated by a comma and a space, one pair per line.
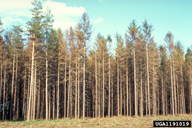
116, 122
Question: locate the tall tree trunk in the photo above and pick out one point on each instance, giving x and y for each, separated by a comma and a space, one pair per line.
84, 82
162, 91
24, 89
112, 96
1, 84
149, 108
109, 89
96, 84
120, 91
172, 97
35, 86
69, 86
31, 85
76, 89
103, 84
15, 93
174, 88
135, 86
58, 82
65, 96
99, 109
4, 103
46, 104
141, 92
38, 102
117, 86
154, 92
127, 86
13, 76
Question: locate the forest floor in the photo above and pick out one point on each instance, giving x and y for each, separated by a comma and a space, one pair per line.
116, 122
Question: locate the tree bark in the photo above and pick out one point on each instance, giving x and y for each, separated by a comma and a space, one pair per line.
135, 86
148, 81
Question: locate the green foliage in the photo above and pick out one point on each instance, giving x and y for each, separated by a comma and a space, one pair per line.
35, 26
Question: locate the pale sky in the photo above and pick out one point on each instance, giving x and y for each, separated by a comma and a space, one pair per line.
110, 16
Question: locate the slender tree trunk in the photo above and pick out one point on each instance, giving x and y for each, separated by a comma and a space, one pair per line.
172, 97
69, 86
31, 85
109, 89
65, 85
112, 97
117, 86
13, 76
148, 80
84, 82
154, 92
103, 85
35, 86
76, 90
141, 92
174, 88
53, 104
49, 102
162, 91
78, 87
135, 86
120, 91
127, 87
15, 93
46, 87
4, 103
58, 82
38, 102
96, 84
99, 109
24, 89
1, 84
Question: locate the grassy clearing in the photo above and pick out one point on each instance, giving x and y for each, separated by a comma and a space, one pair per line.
116, 122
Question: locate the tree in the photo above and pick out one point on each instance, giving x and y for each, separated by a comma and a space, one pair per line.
86, 33
35, 28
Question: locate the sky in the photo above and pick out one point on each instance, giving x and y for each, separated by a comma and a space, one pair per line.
110, 16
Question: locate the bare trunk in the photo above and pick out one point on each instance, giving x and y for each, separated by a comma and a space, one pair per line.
96, 84
31, 85
154, 92
117, 86
174, 89
148, 81
112, 97
65, 96
58, 82
1, 84
46, 104
109, 89
11, 109
135, 86
4, 103
172, 85
162, 91
127, 86
84, 82
35, 85
38, 102
76, 91
103, 84
141, 92
78, 87
15, 93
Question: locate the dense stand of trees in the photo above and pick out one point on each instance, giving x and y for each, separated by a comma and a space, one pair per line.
55, 75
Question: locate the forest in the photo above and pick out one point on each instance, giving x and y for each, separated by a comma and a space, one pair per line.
50, 74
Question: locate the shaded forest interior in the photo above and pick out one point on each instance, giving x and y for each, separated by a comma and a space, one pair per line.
55, 74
